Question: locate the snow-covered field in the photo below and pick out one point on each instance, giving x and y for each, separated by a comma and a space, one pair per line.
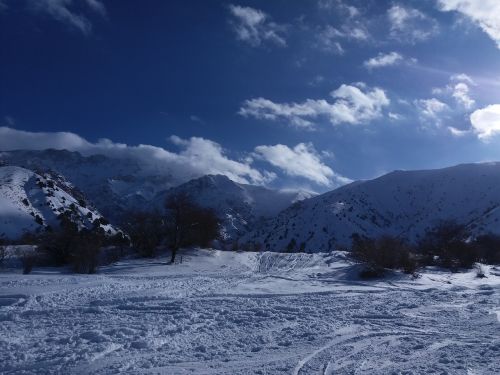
247, 313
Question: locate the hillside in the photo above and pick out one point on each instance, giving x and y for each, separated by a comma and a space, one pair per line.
116, 186
401, 203
239, 206
31, 202
112, 185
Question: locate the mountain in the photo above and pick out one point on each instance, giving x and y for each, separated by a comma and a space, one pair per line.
401, 203
111, 184
31, 202
115, 186
240, 206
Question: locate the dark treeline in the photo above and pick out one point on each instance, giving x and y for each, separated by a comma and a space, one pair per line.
183, 223
449, 245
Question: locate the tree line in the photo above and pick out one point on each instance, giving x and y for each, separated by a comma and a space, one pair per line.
449, 245
183, 223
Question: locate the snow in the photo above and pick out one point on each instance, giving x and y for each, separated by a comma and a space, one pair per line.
401, 203
248, 313
25, 196
116, 186
239, 206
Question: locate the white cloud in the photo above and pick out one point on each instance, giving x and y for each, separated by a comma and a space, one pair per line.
97, 6
254, 27
301, 161
462, 96
317, 80
462, 77
459, 90
352, 27
382, 60
63, 11
484, 13
410, 25
353, 104
197, 157
338, 5
328, 36
208, 157
357, 33
486, 122
197, 119
431, 108
327, 40
395, 116
457, 132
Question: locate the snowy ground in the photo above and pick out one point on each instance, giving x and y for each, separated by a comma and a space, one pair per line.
245, 313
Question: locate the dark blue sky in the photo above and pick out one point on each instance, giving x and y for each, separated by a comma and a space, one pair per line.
252, 74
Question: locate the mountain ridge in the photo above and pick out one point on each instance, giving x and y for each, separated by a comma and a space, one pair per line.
32, 202
400, 203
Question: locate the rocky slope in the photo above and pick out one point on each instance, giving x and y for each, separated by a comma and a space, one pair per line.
239, 206
404, 204
31, 202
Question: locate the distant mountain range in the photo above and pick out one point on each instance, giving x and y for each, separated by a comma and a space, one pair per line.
401, 203
117, 186
113, 185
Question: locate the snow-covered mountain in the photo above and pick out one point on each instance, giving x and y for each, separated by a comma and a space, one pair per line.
116, 186
400, 203
30, 202
113, 185
405, 204
239, 206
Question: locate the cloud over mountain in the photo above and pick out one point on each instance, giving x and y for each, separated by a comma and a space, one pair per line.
301, 161
198, 156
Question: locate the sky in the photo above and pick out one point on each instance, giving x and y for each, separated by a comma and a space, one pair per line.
286, 94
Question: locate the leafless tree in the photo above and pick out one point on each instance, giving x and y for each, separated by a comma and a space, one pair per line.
189, 224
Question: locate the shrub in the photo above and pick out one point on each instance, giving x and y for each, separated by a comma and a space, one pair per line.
3, 250
383, 253
235, 246
290, 248
488, 248
28, 261
448, 245
85, 252
58, 244
146, 231
257, 247
69, 245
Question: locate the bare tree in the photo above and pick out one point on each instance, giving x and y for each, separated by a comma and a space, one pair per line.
449, 242
382, 253
189, 224
146, 231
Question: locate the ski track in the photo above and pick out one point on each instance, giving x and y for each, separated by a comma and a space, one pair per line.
203, 322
